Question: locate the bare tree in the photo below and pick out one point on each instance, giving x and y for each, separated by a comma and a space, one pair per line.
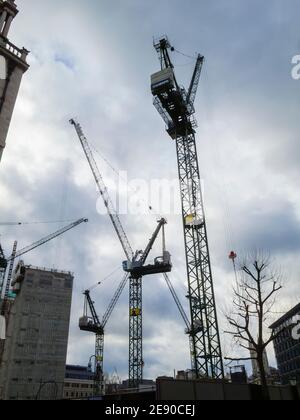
254, 298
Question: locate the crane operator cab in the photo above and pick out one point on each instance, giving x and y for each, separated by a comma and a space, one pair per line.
162, 264
87, 324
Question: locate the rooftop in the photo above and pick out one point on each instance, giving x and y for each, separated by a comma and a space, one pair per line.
290, 314
49, 270
20, 53
79, 372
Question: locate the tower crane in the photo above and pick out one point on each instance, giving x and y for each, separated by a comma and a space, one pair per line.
134, 266
176, 107
137, 267
16, 254
91, 322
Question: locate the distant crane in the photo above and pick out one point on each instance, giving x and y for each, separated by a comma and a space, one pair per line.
16, 254
134, 266
4, 309
176, 107
91, 322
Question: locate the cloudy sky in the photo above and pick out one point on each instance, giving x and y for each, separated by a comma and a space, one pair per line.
93, 60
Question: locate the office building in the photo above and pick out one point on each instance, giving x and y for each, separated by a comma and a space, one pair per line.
287, 345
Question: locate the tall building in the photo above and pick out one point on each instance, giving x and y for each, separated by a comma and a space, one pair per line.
34, 358
12, 67
287, 345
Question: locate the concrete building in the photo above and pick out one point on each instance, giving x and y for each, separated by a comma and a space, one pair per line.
79, 383
185, 375
6, 306
12, 67
287, 345
34, 358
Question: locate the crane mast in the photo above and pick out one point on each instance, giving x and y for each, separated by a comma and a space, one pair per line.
92, 324
10, 270
176, 107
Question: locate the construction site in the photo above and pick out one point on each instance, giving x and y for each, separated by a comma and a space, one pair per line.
101, 303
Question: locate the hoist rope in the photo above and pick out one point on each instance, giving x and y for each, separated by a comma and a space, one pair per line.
150, 207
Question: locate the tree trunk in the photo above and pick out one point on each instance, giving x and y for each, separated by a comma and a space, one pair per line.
263, 378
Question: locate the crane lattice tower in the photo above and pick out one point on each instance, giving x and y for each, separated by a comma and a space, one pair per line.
176, 106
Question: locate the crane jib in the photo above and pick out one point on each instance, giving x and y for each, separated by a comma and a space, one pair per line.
47, 239
104, 192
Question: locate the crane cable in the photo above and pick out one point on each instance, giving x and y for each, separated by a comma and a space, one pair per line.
111, 274
150, 207
104, 279
185, 55
222, 188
